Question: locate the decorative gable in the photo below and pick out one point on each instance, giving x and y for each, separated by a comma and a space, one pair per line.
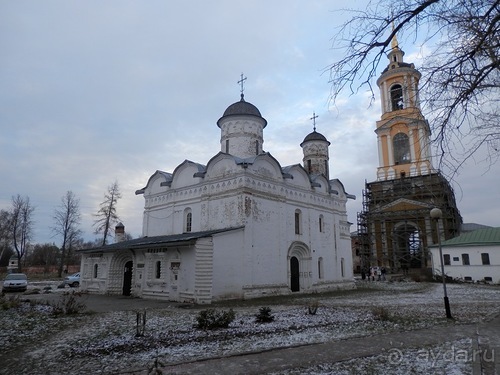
404, 204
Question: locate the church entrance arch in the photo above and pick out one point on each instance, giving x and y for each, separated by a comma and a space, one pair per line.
127, 278
299, 267
408, 246
120, 274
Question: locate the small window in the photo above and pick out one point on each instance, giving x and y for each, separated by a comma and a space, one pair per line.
468, 278
320, 268
487, 278
96, 271
188, 220
342, 270
256, 147
227, 146
297, 222
446, 259
309, 167
321, 223
158, 269
456, 259
485, 258
465, 260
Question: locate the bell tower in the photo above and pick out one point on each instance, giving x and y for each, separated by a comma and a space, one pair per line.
395, 229
403, 134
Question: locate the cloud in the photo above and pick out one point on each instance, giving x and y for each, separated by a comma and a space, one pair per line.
94, 92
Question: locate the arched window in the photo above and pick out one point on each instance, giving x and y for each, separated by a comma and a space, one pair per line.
96, 270
397, 97
401, 146
298, 224
188, 220
158, 269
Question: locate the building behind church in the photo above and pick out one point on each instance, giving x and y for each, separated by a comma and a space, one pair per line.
239, 226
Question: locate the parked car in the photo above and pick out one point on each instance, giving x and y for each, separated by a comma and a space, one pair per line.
72, 280
15, 282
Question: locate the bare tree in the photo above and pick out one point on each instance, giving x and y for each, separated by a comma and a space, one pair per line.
5, 235
21, 226
67, 218
106, 215
460, 75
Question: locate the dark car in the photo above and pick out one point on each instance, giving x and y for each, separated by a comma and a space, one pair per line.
15, 282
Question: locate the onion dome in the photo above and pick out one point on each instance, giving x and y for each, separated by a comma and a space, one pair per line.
242, 108
314, 136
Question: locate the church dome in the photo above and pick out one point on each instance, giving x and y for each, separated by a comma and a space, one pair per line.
314, 136
242, 108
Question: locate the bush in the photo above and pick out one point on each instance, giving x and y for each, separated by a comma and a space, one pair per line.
264, 315
381, 313
213, 319
312, 308
9, 302
69, 304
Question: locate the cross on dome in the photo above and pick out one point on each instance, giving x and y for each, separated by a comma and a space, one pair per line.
315, 116
241, 82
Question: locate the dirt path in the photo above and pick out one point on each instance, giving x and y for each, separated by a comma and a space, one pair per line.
485, 338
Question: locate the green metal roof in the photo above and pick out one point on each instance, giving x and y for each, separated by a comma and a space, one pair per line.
480, 237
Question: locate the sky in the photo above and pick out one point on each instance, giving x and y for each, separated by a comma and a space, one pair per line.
93, 92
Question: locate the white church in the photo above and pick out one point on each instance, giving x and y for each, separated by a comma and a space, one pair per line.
238, 227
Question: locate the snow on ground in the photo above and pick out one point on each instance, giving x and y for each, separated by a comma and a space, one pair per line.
32, 338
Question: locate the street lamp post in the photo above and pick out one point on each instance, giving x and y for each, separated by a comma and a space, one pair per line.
437, 214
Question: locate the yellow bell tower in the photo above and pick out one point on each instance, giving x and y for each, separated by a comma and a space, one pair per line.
403, 134
395, 229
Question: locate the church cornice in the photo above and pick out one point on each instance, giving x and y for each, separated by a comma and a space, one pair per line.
399, 71
397, 120
403, 204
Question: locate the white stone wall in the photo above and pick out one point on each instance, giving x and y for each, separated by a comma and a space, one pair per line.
476, 270
242, 132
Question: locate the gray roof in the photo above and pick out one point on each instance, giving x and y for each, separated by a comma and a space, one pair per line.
157, 241
242, 108
469, 227
314, 136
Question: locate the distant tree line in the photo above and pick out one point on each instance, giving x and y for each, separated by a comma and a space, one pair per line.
16, 231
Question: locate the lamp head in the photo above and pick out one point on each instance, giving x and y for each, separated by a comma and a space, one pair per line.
436, 213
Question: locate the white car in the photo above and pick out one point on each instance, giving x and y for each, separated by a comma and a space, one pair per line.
15, 282
72, 280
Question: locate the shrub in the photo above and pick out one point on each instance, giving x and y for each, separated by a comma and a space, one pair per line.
69, 304
9, 302
213, 319
264, 315
381, 313
312, 308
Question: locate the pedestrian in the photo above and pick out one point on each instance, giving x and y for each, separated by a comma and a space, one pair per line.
383, 271
363, 274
